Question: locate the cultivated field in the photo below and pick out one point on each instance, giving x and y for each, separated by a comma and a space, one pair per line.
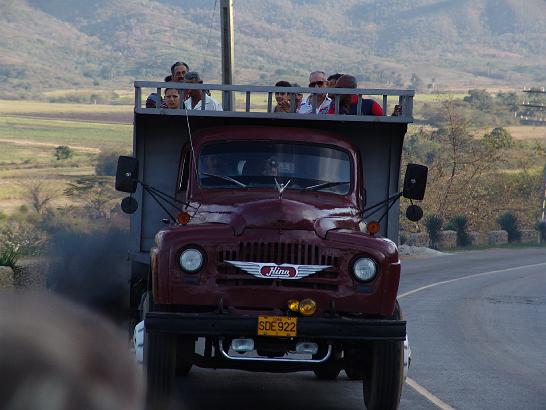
30, 132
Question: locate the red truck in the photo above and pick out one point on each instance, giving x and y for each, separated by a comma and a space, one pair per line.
266, 241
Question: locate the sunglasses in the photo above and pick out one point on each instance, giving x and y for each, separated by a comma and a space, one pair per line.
317, 84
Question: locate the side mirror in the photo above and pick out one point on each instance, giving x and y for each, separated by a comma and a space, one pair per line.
415, 182
129, 205
414, 213
127, 174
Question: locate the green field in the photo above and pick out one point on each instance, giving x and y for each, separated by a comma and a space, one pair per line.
30, 132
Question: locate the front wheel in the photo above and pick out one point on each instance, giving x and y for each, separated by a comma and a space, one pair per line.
383, 376
160, 362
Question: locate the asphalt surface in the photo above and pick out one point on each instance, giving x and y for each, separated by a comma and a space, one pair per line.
477, 330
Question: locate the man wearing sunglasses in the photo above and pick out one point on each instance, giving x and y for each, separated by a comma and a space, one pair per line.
195, 97
316, 79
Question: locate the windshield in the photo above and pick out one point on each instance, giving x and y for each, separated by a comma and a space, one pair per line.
270, 165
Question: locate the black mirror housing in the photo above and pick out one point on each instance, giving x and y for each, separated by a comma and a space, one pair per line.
415, 182
127, 174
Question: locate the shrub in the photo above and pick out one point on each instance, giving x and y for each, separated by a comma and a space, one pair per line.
541, 228
509, 223
63, 152
403, 238
433, 224
107, 162
8, 256
19, 239
459, 224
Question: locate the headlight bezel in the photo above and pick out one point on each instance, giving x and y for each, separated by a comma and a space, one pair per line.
191, 248
366, 259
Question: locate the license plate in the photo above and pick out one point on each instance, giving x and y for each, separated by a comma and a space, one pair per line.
277, 326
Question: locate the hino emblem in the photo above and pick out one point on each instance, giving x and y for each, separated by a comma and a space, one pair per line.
274, 271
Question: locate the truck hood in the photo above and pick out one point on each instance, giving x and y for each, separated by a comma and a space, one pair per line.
279, 214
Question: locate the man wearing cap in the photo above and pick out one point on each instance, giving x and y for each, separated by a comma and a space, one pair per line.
195, 100
316, 79
348, 104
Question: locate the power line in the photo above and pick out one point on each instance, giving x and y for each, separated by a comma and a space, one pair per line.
208, 39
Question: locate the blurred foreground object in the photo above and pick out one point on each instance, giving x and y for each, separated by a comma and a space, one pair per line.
56, 355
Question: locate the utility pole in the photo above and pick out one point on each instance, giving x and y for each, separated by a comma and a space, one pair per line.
544, 199
226, 18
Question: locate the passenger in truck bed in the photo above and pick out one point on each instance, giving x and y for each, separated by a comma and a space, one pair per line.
316, 79
348, 103
172, 98
282, 98
178, 71
195, 96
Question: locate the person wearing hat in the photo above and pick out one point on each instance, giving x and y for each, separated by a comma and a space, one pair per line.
195, 97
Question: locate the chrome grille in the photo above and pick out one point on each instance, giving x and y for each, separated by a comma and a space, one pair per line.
297, 253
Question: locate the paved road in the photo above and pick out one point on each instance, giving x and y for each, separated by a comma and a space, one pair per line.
477, 335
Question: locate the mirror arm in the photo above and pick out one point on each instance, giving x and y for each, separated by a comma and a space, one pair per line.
153, 195
167, 198
392, 198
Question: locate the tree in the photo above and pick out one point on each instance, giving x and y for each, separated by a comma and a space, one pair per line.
63, 152
39, 195
95, 192
479, 99
433, 223
498, 138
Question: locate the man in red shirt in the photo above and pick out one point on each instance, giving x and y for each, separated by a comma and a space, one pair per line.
348, 104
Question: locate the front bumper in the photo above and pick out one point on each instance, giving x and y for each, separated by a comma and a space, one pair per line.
319, 328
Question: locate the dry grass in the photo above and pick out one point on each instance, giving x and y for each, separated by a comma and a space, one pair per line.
30, 132
527, 132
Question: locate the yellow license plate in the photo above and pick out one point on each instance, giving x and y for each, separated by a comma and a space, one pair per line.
277, 326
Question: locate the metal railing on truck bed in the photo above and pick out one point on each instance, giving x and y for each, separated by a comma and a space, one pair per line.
250, 107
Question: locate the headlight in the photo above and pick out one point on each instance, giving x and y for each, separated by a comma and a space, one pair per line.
191, 260
364, 269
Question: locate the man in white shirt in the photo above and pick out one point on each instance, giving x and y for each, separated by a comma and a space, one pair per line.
316, 79
195, 99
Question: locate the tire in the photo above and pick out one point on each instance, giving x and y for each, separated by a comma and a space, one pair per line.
329, 370
326, 373
185, 349
159, 362
383, 377
354, 374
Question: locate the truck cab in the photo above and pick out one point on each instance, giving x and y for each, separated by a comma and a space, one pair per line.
266, 241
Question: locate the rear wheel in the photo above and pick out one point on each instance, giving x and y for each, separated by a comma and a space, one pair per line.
383, 375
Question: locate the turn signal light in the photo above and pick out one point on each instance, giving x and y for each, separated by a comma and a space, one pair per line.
308, 307
373, 227
183, 218
294, 305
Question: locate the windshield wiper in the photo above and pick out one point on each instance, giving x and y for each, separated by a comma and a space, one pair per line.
325, 185
225, 178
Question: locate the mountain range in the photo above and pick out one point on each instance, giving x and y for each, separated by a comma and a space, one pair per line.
61, 44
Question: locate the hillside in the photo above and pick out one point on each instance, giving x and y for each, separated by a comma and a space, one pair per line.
82, 43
